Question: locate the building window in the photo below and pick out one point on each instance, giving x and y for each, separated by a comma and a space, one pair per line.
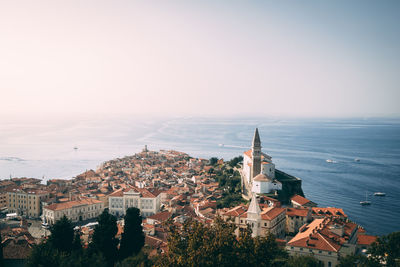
329, 264
320, 251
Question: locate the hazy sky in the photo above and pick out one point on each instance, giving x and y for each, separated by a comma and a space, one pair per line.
300, 58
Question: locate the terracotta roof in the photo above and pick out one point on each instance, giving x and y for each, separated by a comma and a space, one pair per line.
366, 239
262, 178
271, 213
300, 200
329, 211
70, 204
236, 211
302, 212
16, 248
319, 235
248, 153
161, 216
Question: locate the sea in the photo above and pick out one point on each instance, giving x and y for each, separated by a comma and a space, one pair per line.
364, 153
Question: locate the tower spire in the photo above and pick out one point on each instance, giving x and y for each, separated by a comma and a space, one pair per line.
254, 207
256, 139
256, 155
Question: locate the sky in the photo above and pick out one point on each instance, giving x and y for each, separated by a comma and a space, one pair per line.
291, 58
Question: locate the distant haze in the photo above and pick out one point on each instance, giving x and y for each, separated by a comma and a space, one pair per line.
300, 58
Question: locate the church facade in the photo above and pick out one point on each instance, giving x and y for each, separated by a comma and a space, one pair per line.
258, 171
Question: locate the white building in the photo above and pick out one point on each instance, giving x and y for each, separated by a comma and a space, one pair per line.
264, 184
76, 210
258, 172
141, 198
263, 219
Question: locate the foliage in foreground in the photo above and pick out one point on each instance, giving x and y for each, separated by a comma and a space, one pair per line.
201, 245
384, 252
63, 248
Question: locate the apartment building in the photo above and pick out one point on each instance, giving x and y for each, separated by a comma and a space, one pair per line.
141, 198
75, 210
26, 202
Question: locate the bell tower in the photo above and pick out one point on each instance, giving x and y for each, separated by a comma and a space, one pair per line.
256, 155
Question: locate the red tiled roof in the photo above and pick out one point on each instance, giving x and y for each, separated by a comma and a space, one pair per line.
236, 211
70, 204
318, 235
302, 212
271, 213
366, 239
161, 216
300, 200
330, 211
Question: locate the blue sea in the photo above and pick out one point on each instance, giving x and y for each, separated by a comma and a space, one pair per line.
44, 148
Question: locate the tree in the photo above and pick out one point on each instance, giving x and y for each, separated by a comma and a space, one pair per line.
213, 161
304, 261
233, 162
139, 260
357, 261
83, 258
62, 235
44, 255
76, 243
104, 240
386, 249
216, 245
1, 252
133, 237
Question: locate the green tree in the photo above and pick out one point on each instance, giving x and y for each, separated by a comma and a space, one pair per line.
213, 161
304, 261
44, 255
76, 243
133, 237
216, 245
139, 260
386, 249
104, 240
83, 258
62, 235
357, 261
233, 162
1, 252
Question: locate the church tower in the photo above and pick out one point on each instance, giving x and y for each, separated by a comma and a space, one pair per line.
254, 216
256, 155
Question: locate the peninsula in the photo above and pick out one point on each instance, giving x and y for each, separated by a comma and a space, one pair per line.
168, 185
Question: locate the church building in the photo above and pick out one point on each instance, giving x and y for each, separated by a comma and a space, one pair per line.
258, 172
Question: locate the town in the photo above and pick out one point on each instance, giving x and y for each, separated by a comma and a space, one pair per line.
170, 185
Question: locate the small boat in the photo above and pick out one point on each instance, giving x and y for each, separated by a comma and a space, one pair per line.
357, 160
379, 194
221, 145
331, 161
75, 148
365, 202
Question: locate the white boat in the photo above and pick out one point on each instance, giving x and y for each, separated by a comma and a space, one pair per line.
357, 160
379, 194
331, 161
365, 202
221, 145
